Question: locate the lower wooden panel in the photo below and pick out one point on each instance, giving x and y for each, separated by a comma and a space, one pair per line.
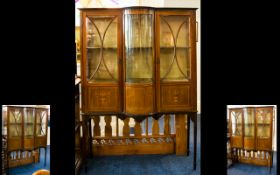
139, 99
249, 143
163, 148
14, 144
101, 99
28, 143
237, 142
175, 97
264, 144
40, 142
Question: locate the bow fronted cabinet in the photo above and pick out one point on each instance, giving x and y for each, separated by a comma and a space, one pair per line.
251, 134
26, 131
138, 77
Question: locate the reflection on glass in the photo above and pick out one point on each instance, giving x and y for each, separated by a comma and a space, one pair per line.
41, 117
102, 53
29, 123
264, 118
174, 48
249, 122
236, 121
139, 47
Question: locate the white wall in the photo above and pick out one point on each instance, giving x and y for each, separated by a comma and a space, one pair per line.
153, 3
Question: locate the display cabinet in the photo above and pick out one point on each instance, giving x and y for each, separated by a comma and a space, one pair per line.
251, 134
139, 62
26, 132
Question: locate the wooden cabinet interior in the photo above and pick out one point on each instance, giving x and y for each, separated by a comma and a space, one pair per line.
251, 135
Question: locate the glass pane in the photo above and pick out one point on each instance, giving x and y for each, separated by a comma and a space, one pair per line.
15, 130
236, 121
249, 123
41, 118
102, 52
174, 48
15, 116
29, 123
264, 118
139, 48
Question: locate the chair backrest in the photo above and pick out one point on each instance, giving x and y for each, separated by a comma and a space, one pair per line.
42, 172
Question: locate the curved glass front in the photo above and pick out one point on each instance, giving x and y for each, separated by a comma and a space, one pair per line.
249, 122
138, 28
29, 120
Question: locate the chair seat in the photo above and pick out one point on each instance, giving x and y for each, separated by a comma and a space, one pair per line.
42, 172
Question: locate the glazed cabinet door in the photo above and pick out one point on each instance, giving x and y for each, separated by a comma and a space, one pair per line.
139, 61
236, 127
264, 118
15, 117
41, 127
29, 126
101, 57
176, 60
249, 128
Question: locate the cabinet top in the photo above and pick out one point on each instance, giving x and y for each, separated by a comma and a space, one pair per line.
249, 106
141, 7
28, 106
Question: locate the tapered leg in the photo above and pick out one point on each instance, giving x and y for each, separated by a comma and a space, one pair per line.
194, 120
90, 137
188, 134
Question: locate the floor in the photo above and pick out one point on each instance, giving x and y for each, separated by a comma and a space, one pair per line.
247, 169
146, 164
29, 169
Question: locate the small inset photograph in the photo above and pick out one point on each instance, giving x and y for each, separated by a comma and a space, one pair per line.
251, 139
25, 139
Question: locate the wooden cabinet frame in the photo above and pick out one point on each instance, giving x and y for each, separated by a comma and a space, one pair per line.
30, 143
154, 98
253, 148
